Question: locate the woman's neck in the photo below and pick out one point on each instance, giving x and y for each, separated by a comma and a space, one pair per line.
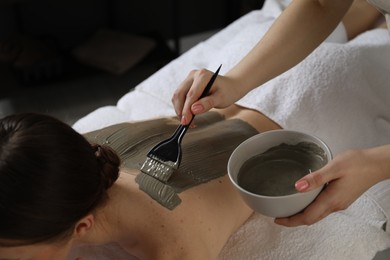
108, 225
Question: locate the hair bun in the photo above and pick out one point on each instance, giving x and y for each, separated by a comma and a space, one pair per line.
109, 163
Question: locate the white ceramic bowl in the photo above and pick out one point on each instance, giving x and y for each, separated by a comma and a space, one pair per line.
279, 205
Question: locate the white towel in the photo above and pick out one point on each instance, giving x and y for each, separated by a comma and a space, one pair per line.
345, 86
349, 234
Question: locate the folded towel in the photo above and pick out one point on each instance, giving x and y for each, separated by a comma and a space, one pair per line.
134, 106
355, 233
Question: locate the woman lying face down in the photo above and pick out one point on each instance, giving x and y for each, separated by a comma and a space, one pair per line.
51, 180
58, 191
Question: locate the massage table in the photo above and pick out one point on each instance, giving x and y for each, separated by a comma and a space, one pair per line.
339, 93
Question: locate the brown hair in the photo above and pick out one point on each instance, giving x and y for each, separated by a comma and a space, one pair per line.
50, 177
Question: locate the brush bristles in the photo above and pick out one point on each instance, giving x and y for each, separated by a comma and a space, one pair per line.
158, 169
159, 191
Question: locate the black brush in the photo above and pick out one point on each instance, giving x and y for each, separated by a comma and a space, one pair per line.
163, 159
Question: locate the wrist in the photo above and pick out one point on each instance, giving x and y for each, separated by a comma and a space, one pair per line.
240, 86
380, 158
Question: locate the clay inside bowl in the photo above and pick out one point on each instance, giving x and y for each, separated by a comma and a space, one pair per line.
275, 171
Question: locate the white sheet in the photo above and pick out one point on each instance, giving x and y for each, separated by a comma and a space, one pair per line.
344, 85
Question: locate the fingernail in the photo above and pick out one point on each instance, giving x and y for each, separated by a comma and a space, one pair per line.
183, 120
197, 108
301, 185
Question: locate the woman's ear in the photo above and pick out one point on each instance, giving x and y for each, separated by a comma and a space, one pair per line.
83, 226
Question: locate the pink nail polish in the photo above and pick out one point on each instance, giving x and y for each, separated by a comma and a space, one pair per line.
197, 109
301, 185
183, 120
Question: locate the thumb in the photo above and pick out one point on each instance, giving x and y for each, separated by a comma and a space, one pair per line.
202, 105
314, 180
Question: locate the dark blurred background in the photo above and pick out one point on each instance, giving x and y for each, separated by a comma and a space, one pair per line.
66, 58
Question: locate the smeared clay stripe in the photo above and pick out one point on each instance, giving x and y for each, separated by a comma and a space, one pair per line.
157, 190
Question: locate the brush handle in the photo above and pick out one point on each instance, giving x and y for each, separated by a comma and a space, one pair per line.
179, 133
208, 86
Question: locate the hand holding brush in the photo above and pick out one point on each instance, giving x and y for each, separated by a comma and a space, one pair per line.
163, 159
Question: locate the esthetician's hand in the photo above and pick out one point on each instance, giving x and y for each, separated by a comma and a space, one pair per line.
185, 99
348, 176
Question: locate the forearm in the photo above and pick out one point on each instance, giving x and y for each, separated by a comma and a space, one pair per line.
292, 37
361, 17
380, 163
